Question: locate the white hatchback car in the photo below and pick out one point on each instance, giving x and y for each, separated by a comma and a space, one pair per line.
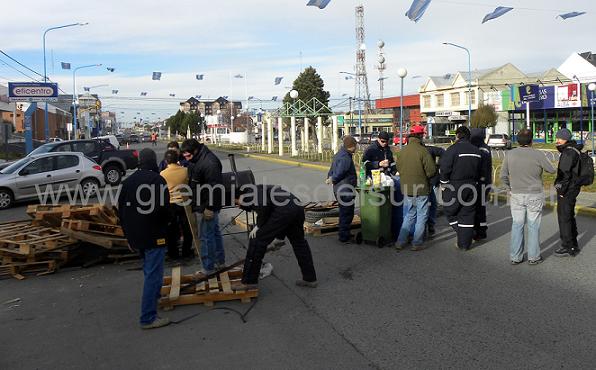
49, 171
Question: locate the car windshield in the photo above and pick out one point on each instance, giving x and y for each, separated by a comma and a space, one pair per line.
15, 166
45, 148
498, 136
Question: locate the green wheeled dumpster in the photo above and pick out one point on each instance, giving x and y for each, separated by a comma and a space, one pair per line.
375, 216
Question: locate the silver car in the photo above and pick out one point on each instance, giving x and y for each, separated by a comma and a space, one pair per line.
49, 171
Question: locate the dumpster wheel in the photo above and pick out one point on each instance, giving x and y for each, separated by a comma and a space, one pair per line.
359, 238
380, 242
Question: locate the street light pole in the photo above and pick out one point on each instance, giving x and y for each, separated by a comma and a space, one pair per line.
74, 97
45, 73
359, 103
592, 87
469, 77
402, 72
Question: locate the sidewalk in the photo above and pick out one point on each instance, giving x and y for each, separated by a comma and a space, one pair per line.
586, 202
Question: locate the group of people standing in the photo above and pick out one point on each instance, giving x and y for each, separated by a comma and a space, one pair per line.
160, 203
462, 176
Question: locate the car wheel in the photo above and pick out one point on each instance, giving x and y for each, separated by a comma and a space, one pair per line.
113, 175
90, 187
6, 198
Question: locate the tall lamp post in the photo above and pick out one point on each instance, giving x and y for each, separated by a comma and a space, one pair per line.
592, 87
45, 73
74, 97
402, 73
359, 103
469, 77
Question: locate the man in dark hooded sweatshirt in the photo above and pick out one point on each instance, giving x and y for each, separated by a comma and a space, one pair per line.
143, 210
477, 137
567, 192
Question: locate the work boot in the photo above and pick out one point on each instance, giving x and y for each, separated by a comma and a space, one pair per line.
563, 252
307, 284
417, 247
157, 323
245, 287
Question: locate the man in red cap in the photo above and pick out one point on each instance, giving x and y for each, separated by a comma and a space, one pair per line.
415, 166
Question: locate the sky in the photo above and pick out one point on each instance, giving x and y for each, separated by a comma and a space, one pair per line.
263, 39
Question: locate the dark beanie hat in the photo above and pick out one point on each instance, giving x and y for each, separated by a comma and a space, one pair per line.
564, 134
349, 142
384, 135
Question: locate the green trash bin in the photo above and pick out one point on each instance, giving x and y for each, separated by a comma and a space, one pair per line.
375, 216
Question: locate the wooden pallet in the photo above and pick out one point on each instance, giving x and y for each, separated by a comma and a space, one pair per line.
31, 240
181, 289
328, 229
94, 227
18, 270
53, 215
319, 206
104, 241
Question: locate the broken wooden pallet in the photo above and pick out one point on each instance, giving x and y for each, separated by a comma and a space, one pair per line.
53, 215
318, 206
329, 229
181, 289
31, 240
18, 270
104, 241
93, 227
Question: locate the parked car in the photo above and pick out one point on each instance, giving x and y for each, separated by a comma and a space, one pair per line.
145, 138
133, 138
499, 141
22, 179
365, 139
114, 162
54, 139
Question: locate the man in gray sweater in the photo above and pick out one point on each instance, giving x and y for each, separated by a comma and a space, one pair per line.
522, 175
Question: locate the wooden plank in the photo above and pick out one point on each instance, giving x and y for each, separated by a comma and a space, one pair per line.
175, 288
225, 282
213, 285
210, 298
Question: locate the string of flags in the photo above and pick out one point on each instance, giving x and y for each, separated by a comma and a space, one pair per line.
419, 7
65, 65
321, 4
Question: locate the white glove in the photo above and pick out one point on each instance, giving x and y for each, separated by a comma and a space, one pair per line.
253, 233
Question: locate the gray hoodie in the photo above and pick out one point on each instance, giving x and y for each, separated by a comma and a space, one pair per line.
522, 170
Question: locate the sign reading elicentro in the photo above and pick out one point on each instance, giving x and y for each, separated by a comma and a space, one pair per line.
32, 91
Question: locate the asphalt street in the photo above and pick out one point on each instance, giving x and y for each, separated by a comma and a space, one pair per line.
374, 308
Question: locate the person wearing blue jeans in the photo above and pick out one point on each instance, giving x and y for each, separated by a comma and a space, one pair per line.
521, 174
526, 209
153, 273
415, 215
212, 251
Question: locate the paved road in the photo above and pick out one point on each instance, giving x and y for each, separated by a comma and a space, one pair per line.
374, 308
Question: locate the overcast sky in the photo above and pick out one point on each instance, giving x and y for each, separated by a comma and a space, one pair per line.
262, 39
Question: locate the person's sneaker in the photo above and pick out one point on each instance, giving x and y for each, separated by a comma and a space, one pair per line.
400, 247
242, 287
416, 248
573, 252
347, 241
562, 252
513, 262
307, 284
536, 261
157, 323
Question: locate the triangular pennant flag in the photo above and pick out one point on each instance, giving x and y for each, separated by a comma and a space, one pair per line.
274, 98
417, 9
156, 76
239, 76
571, 15
499, 11
65, 65
86, 88
114, 91
278, 80
321, 4
199, 77
110, 69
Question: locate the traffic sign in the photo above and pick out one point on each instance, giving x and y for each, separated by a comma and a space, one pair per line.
32, 91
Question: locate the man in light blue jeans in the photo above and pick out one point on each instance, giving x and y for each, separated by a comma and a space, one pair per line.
415, 211
522, 176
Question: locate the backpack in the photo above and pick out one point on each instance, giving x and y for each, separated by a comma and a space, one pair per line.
585, 168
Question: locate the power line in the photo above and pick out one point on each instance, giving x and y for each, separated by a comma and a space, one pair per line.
496, 5
21, 64
18, 70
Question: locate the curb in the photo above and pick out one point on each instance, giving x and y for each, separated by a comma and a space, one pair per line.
580, 210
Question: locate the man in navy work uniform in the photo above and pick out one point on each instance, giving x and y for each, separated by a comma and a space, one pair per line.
343, 177
477, 138
143, 211
460, 173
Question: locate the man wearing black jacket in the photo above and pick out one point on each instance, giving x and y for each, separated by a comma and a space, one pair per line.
206, 183
379, 155
567, 192
477, 138
143, 211
278, 215
436, 153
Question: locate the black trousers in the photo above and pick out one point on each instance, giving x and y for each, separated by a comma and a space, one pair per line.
459, 205
177, 224
566, 218
346, 213
480, 224
287, 221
